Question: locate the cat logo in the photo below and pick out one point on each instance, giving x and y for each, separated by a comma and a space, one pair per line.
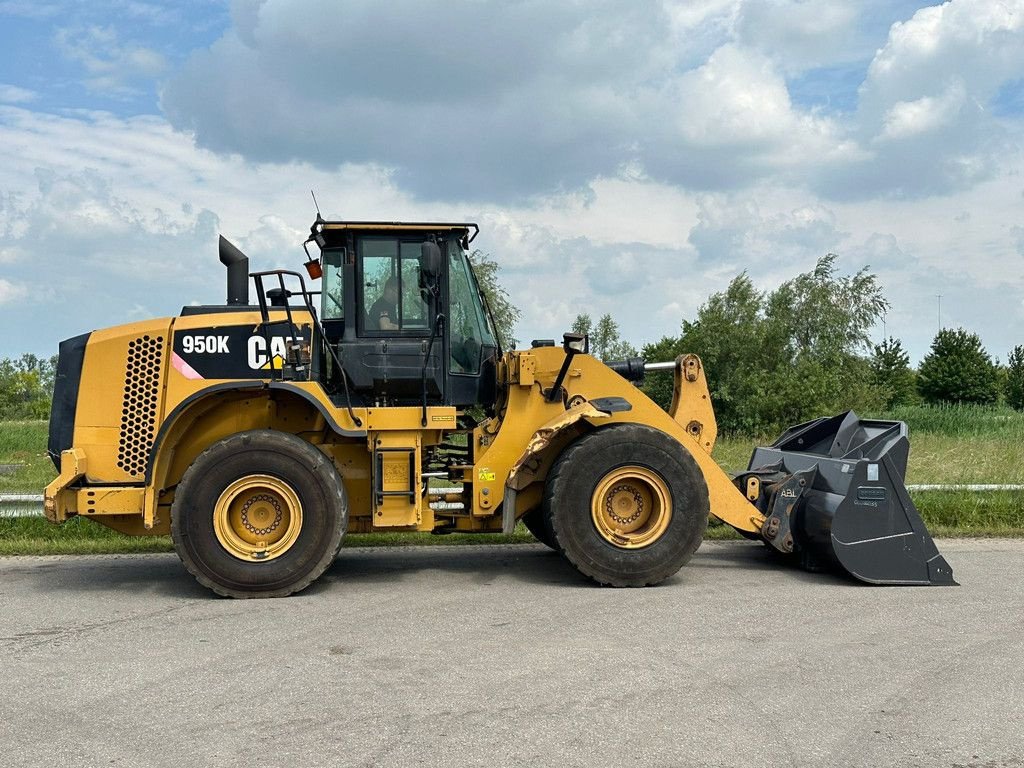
259, 360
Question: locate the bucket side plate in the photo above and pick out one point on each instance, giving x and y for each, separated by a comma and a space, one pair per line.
878, 535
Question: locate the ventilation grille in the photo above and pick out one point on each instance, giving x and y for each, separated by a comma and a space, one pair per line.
138, 412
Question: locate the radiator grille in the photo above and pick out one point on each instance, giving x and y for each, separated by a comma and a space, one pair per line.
141, 396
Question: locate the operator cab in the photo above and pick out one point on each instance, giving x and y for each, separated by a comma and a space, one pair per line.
402, 310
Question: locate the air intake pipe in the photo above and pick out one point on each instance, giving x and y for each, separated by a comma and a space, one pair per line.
238, 272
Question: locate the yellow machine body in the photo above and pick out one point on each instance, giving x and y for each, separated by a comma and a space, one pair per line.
142, 419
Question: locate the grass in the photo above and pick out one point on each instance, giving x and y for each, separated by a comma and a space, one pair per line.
956, 445
24, 442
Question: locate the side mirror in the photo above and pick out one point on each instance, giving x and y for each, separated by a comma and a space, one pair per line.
575, 342
430, 260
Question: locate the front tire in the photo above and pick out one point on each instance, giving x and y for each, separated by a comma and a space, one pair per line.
628, 505
259, 514
538, 522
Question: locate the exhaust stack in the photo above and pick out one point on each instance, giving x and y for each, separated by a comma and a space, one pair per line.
238, 272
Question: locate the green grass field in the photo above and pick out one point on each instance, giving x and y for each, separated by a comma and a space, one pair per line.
948, 446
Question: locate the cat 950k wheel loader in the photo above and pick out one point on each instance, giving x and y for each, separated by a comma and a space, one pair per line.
257, 435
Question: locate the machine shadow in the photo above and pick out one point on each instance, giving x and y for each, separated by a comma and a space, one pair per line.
163, 574
536, 564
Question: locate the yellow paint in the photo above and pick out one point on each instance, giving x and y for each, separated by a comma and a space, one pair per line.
392, 451
631, 507
100, 500
257, 518
58, 501
518, 447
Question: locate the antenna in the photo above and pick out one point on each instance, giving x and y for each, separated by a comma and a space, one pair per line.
316, 205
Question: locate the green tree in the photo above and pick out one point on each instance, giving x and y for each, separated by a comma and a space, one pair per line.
606, 342
891, 371
958, 370
582, 324
26, 387
1015, 378
506, 314
775, 359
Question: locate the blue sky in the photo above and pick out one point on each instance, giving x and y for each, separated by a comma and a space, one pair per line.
622, 156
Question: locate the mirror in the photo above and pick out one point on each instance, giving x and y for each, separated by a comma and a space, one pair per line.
575, 342
430, 259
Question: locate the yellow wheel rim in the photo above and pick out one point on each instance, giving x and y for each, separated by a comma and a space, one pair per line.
257, 518
631, 507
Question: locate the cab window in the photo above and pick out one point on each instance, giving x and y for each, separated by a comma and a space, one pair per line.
392, 298
332, 299
469, 329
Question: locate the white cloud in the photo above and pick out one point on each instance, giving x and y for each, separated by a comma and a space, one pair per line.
910, 118
11, 292
111, 66
13, 94
540, 100
802, 33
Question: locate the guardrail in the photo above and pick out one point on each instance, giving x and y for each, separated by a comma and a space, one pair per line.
31, 504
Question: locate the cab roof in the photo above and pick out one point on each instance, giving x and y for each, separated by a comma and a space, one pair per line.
466, 228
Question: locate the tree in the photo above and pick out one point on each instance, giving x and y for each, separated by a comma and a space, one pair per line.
890, 367
775, 359
1015, 378
606, 342
26, 387
582, 324
958, 370
505, 313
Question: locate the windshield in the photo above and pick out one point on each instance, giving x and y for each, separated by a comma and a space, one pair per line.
470, 329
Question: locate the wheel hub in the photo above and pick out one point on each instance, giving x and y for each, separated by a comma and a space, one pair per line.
257, 518
252, 511
631, 507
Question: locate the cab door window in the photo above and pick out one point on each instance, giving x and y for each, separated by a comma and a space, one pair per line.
392, 297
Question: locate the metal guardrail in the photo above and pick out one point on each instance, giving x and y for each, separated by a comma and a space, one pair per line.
21, 505
31, 504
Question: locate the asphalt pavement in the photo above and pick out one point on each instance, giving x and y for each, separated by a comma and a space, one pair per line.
504, 656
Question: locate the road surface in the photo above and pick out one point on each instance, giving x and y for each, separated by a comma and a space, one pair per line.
503, 656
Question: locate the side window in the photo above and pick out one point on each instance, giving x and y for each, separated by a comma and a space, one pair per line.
465, 316
333, 286
392, 298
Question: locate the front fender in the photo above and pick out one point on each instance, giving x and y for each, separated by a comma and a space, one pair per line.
524, 471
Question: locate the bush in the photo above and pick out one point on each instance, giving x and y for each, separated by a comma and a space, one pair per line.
26, 387
958, 370
1015, 378
891, 372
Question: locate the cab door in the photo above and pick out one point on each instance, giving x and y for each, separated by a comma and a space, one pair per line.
391, 355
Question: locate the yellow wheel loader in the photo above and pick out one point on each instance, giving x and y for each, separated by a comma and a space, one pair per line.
258, 434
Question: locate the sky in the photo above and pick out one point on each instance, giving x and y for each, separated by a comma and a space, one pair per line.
620, 156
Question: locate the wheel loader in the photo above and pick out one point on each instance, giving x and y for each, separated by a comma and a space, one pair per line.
370, 393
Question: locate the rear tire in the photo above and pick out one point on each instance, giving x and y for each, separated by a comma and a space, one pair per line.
628, 505
259, 514
538, 522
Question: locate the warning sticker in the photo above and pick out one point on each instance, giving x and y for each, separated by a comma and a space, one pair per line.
484, 474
